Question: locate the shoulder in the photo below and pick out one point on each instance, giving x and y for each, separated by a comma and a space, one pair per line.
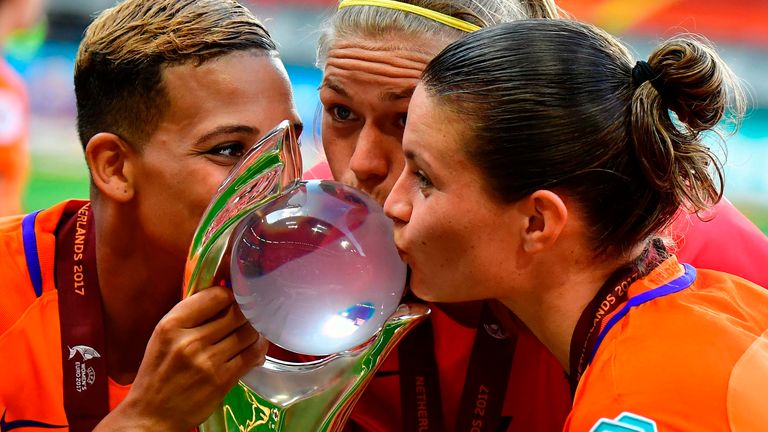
31, 377
683, 347
22, 250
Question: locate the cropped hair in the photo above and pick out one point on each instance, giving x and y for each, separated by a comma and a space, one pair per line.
552, 104
358, 21
118, 70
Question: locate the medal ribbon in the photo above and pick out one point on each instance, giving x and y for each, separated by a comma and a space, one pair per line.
86, 396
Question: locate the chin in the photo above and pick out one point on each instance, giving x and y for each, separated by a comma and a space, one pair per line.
423, 292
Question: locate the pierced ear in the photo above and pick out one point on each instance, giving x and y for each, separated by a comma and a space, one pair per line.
110, 159
547, 216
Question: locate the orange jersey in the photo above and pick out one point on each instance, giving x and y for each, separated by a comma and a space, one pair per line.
14, 136
31, 375
691, 360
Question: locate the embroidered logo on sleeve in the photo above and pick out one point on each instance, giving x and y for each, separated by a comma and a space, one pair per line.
625, 422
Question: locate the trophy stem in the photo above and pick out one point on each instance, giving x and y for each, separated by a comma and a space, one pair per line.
316, 396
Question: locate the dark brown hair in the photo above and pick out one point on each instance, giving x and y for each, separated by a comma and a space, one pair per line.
551, 104
118, 70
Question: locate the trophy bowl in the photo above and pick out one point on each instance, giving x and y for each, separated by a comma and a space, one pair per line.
314, 268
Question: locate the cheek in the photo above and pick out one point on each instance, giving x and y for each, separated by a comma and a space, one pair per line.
338, 148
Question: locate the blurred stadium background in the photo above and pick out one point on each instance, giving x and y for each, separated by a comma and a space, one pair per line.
45, 56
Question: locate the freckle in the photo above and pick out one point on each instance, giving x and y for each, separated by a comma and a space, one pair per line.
423, 243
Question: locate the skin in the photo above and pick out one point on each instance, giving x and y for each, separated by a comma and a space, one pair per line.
182, 357
366, 88
367, 84
441, 204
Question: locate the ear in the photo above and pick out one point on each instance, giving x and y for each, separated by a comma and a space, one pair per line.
110, 160
546, 217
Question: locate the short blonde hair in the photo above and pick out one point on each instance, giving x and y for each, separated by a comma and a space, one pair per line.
118, 70
372, 20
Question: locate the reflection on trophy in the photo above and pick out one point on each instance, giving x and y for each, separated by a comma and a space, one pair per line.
314, 268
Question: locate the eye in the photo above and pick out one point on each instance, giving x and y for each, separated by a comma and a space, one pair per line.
341, 113
422, 179
230, 150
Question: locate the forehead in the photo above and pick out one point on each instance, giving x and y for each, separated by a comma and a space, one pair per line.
434, 133
393, 68
229, 74
237, 82
245, 88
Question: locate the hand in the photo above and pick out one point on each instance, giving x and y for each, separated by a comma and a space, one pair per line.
196, 354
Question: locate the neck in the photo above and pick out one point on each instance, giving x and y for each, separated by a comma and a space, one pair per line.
553, 304
139, 285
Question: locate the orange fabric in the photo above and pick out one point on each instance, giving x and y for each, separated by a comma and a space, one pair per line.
745, 412
31, 374
14, 137
537, 397
671, 359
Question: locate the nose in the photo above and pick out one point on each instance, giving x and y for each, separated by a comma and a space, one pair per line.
398, 206
369, 160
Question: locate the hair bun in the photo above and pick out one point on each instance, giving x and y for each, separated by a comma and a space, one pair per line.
697, 84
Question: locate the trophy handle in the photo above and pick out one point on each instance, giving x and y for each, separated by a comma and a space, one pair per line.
270, 168
313, 396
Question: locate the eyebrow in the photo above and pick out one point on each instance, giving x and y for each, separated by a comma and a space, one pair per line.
391, 96
223, 130
335, 86
396, 96
298, 127
411, 156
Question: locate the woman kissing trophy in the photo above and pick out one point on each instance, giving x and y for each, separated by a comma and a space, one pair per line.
314, 268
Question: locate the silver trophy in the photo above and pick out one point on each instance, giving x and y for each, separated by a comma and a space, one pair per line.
313, 267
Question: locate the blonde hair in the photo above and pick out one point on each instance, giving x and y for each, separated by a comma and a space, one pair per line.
372, 20
118, 69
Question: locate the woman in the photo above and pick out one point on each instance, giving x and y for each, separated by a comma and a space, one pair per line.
552, 168
372, 54
93, 329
